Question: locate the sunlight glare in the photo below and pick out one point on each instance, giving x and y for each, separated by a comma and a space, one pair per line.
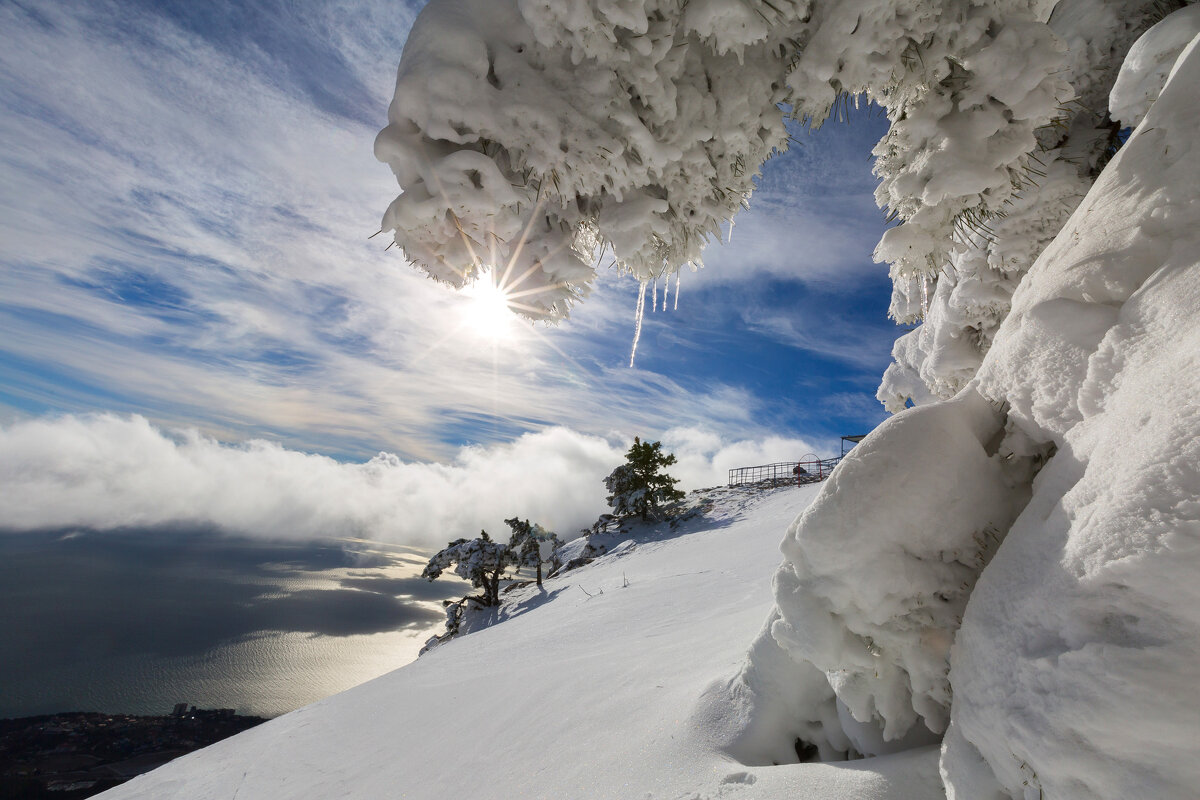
488, 312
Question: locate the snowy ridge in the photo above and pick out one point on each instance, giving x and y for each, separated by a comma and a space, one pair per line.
588, 690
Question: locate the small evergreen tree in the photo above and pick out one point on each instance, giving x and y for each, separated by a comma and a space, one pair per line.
480, 561
525, 546
639, 487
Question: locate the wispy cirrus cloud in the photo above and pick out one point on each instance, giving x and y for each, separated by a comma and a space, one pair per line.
187, 193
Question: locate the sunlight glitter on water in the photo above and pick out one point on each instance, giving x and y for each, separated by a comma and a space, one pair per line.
139, 621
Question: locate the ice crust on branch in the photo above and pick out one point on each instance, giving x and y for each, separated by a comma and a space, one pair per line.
534, 135
962, 299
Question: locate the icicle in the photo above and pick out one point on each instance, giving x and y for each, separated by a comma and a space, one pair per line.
924, 297
666, 291
678, 275
637, 327
729, 237
654, 298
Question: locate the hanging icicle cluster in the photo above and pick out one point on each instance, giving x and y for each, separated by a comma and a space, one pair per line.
640, 310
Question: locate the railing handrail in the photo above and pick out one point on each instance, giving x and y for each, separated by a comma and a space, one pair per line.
784, 471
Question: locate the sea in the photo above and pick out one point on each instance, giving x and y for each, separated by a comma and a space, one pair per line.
140, 619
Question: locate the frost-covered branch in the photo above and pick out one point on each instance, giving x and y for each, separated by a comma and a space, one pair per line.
531, 136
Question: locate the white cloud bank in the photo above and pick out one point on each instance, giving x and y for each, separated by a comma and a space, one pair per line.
108, 471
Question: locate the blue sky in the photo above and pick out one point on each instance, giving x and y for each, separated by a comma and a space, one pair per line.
186, 192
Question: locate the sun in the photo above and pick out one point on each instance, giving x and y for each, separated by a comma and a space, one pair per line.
488, 310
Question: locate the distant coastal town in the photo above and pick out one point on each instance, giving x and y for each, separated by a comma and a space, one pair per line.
80, 754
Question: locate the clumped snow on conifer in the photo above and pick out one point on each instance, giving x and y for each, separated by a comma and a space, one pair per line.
535, 135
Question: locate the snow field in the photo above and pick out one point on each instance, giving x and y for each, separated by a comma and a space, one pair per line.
572, 696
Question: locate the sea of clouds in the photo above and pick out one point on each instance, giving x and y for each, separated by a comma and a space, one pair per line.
105, 471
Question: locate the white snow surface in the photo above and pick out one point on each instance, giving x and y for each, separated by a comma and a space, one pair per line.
1145, 70
594, 689
1014, 563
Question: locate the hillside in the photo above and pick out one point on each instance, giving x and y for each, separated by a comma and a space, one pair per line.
587, 690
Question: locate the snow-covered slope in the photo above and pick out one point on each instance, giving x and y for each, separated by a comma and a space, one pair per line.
589, 690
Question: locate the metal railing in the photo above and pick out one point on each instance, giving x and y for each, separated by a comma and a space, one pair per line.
809, 470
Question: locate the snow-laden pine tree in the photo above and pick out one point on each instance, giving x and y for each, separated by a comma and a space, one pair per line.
481, 561
640, 488
535, 135
1010, 565
531, 546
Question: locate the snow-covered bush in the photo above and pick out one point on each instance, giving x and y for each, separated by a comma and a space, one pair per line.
531, 546
639, 486
484, 562
480, 561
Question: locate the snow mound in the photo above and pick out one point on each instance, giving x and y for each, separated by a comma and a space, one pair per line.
1149, 63
587, 690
